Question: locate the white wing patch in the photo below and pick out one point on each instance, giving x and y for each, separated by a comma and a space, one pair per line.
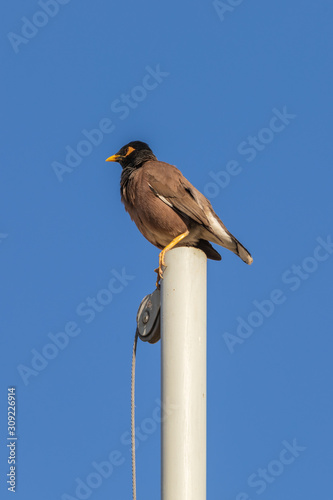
160, 196
218, 230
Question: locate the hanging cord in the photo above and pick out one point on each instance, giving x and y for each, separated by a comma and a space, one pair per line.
133, 415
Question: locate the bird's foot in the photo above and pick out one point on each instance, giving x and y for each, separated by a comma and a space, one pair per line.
159, 270
158, 279
161, 262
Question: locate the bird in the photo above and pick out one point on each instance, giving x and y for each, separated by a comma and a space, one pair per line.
167, 209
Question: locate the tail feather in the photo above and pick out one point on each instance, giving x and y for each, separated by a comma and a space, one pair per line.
242, 252
224, 238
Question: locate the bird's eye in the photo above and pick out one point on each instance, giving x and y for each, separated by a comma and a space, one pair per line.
129, 150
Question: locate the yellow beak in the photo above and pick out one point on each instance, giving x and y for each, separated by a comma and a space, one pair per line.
113, 158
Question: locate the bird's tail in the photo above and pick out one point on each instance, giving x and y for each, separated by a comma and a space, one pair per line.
227, 240
241, 251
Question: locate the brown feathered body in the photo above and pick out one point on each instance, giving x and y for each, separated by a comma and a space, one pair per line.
164, 204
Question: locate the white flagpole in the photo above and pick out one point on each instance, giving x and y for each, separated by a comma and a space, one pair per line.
183, 335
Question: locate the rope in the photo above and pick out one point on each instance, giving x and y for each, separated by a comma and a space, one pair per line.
133, 415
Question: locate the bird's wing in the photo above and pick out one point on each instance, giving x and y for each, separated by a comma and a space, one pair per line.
169, 184
171, 187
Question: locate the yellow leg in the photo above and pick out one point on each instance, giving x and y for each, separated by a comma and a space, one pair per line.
161, 262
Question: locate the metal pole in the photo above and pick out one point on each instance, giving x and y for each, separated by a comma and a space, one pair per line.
183, 334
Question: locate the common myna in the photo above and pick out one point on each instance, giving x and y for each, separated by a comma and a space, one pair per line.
167, 209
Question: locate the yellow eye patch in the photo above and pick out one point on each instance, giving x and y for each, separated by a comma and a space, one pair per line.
129, 151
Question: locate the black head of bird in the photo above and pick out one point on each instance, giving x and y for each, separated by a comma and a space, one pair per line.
134, 154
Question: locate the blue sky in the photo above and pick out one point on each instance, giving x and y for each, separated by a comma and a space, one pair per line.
237, 94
